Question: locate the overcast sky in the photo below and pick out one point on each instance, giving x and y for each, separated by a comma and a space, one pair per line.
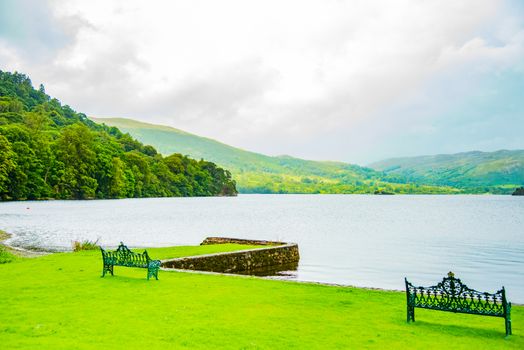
356, 81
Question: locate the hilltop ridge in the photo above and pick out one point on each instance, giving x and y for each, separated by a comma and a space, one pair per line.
503, 168
466, 172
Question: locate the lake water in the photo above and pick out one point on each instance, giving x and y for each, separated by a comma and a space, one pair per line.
360, 240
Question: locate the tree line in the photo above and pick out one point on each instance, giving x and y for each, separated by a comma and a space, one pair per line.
47, 150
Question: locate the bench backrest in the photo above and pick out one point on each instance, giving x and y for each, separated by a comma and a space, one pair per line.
453, 295
125, 257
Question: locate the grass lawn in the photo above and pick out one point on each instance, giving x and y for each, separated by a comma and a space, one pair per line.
181, 251
59, 301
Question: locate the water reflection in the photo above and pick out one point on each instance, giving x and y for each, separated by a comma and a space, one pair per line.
288, 271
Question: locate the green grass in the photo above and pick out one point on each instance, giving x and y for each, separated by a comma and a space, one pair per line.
180, 251
59, 301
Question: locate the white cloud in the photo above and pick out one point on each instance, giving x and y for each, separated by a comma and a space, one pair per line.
8, 56
244, 72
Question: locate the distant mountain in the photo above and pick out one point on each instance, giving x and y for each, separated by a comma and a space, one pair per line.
503, 170
470, 172
258, 173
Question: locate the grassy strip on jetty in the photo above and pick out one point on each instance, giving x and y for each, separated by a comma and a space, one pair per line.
59, 301
182, 251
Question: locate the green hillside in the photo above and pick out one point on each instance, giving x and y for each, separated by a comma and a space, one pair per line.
501, 169
258, 173
48, 150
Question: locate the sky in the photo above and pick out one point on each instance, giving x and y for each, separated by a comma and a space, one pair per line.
355, 81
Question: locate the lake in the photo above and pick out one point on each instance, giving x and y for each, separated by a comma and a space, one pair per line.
359, 240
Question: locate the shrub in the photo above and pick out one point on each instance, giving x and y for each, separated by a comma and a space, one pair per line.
5, 256
85, 245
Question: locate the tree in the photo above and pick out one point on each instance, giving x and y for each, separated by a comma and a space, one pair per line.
49, 150
75, 151
6, 165
117, 182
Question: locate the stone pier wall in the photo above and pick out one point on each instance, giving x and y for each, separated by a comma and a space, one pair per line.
223, 240
243, 261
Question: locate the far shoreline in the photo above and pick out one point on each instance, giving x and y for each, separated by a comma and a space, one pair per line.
487, 194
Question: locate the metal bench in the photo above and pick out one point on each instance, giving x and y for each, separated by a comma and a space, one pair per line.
123, 256
452, 295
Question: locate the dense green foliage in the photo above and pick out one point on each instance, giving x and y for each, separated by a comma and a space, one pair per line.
47, 150
473, 172
258, 173
496, 172
59, 301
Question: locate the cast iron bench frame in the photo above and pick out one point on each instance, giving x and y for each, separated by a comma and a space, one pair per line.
453, 295
123, 256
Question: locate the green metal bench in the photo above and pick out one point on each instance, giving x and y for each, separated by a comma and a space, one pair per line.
452, 295
122, 256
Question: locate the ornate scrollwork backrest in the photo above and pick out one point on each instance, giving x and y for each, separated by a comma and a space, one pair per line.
452, 293
124, 256
454, 287
123, 253
146, 256
451, 286
123, 249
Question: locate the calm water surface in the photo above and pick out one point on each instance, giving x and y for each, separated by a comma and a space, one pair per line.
369, 241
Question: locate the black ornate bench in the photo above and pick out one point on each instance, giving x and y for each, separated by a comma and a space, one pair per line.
122, 256
452, 295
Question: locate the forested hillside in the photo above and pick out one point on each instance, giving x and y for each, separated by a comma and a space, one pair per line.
259, 173
500, 171
47, 150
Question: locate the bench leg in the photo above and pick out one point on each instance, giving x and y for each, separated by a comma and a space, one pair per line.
153, 272
410, 303
508, 326
507, 318
152, 269
410, 313
107, 268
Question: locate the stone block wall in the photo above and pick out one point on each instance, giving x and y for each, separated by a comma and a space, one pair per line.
223, 240
251, 261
